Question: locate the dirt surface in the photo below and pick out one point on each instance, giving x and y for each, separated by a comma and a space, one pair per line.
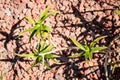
82, 19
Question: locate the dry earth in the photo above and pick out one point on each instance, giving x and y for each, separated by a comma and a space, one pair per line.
82, 19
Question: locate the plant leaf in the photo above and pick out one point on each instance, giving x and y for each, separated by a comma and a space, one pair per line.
43, 14
30, 20
32, 55
77, 55
97, 49
27, 30
96, 40
46, 28
90, 55
38, 60
47, 49
49, 14
78, 44
32, 34
47, 65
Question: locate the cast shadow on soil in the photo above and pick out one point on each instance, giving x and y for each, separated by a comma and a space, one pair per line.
95, 27
10, 37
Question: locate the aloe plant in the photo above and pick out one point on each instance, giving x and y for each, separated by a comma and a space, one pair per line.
87, 50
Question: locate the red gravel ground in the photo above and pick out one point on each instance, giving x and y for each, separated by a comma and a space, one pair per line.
82, 19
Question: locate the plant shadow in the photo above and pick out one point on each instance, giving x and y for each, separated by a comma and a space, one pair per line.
93, 28
15, 59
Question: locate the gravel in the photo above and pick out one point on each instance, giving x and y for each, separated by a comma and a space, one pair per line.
83, 20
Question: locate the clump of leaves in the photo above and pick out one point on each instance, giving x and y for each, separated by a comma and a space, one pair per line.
43, 51
87, 50
39, 28
42, 54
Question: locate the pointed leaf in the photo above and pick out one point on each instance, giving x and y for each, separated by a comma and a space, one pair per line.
38, 47
30, 20
90, 55
38, 60
32, 55
97, 49
49, 14
46, 28
32, 34
47, 49
42, 45
43, 14
51, 56
96, 40
77, 55
27, 30
78, 44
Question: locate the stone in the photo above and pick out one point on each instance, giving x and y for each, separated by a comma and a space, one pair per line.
24, 1
28, 13
8, 12
23, 23
24, 11
2, 1
7, 1
30, 5
38, 1
21, 7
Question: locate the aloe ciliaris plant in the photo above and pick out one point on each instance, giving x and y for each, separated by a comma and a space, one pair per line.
87, 50
42, 53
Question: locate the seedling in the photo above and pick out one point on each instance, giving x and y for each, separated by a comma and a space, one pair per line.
87, 50
42, 53
40, 29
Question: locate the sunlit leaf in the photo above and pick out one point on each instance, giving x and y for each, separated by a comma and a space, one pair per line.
27, 30
47, 48
97, 49
90, 55
43, 15
38, 60
77, 44
30, 20
32, 34
46, 28
47, 65
96, 40
51, 56
77, 55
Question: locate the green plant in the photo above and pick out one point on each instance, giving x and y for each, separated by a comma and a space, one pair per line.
43, 51
41, 55
2, 74
87, 50
39, 28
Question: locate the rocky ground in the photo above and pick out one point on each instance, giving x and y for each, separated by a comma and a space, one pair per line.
82, 19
